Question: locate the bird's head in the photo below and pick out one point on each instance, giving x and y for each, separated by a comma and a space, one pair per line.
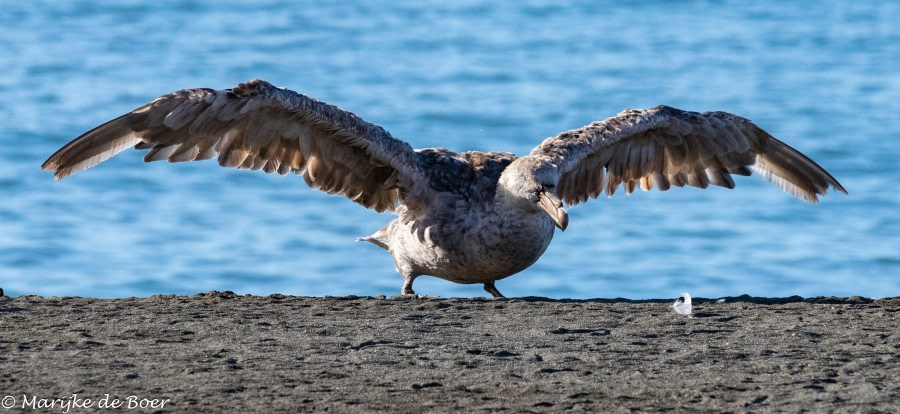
530, 183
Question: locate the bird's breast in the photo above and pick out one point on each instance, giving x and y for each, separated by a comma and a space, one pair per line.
476, 247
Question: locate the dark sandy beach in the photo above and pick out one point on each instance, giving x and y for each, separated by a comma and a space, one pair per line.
220, 352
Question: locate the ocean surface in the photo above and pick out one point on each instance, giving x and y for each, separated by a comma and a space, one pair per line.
467, 75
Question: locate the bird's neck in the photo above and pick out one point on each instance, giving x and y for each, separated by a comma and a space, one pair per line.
512, 208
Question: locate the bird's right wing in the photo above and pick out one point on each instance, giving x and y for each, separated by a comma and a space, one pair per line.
258, 126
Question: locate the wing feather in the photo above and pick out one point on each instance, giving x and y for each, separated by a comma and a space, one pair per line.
664, 147
258, 126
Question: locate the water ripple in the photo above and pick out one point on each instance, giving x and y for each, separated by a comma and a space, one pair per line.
465, 75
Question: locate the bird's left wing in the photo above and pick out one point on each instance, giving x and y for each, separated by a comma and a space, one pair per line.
664, 146
258, 126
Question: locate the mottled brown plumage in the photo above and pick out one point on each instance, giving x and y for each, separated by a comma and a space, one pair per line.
469, 218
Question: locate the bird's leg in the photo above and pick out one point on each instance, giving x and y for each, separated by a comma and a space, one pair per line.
407, 286
490, 288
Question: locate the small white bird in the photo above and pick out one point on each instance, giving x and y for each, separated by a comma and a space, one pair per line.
683, 306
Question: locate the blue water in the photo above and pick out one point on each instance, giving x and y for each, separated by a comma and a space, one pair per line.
824, 77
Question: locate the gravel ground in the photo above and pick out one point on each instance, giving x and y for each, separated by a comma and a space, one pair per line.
221, 352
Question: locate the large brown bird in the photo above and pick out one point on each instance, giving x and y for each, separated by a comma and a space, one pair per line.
475, 217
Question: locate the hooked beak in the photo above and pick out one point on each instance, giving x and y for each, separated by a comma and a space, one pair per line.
550, 203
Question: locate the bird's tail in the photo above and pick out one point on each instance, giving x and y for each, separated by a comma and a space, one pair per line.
379, 238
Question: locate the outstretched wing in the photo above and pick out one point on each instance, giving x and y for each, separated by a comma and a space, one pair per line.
257, 126
665, 147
